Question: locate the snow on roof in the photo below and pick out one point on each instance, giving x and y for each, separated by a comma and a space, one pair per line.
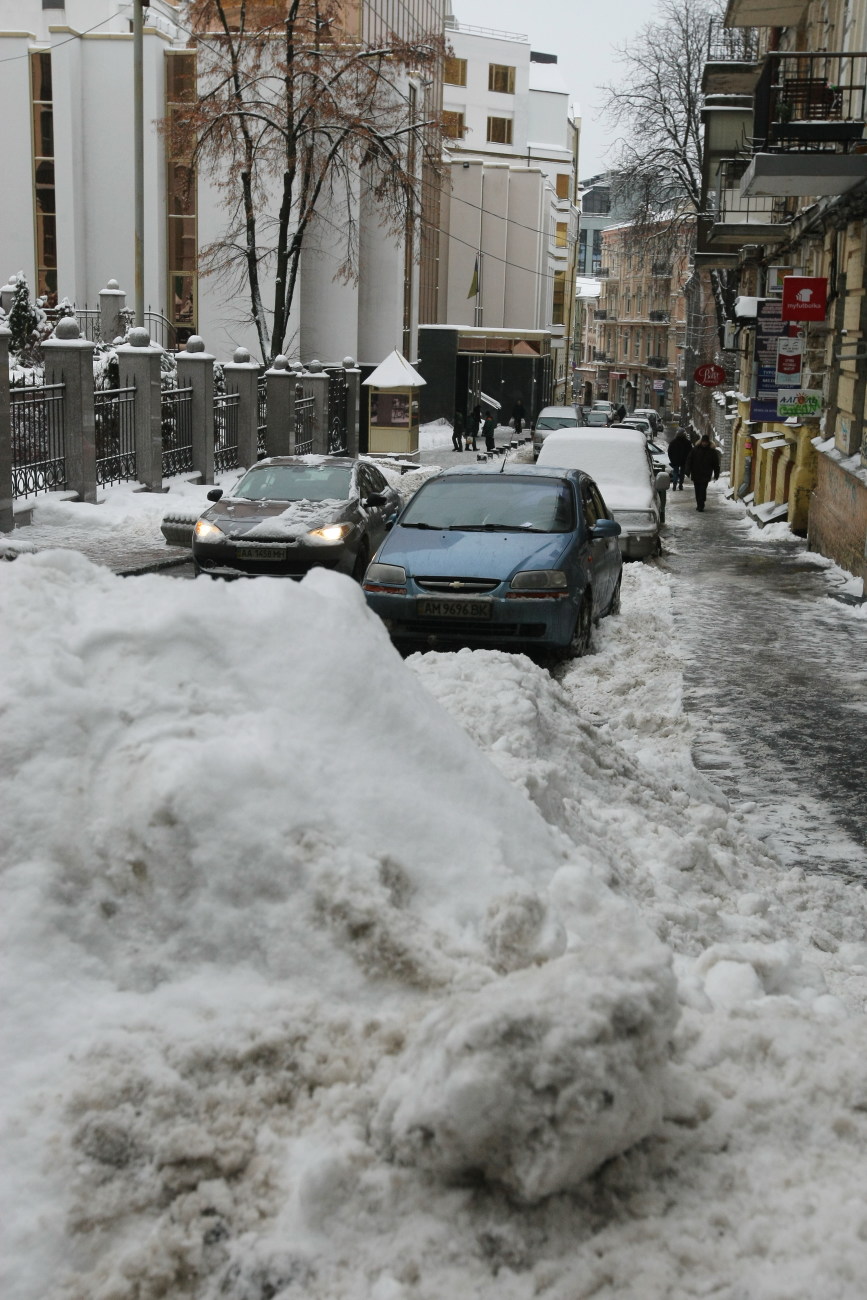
547, 77
395, 372
746, 307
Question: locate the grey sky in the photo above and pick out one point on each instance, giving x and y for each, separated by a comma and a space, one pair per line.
582, 33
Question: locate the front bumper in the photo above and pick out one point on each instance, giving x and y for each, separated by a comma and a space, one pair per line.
514, 622
277, 559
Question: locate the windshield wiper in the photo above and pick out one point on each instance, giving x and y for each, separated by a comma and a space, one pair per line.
494, 528
435, 527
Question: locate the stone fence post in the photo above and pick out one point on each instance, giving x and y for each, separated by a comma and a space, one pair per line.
280, 411
139, 365
112, 303
353, 398
196, 371
242, 377
7, 521
69, 360
316, 383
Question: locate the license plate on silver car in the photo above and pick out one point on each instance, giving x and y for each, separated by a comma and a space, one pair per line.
428, 608
260, 553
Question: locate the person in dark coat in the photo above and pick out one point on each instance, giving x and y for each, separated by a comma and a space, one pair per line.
488, 432
678, 450
619, 414
473, 427
518, 415
702, 464
458, 431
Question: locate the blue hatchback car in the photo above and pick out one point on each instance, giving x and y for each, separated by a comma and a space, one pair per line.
523, 559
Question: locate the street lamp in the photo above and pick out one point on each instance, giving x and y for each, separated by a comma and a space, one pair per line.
138, 153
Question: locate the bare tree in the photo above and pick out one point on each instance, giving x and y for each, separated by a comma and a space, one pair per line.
660, 153
291, 114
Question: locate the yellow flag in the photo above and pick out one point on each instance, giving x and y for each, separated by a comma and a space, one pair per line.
474, 284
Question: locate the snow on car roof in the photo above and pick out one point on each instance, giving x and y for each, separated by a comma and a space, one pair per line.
615, 458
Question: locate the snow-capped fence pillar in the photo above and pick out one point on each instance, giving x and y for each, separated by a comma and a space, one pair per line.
196, 371
353, 398
315, 384
280, 408
242, 377
6, 520
139, 367
112, 305
69, 361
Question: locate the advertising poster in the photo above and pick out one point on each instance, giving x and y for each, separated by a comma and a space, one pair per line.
770, 328
803, 403
790, 362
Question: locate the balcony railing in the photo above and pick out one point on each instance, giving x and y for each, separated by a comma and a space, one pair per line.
731, 44
657, 363
602, 314
601, 356
659, 316
812, 102
660, 268
603, 272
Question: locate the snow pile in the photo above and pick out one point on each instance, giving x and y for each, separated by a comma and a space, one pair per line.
247, 855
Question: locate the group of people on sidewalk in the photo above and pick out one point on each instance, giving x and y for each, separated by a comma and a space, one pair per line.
698, 461
465, 435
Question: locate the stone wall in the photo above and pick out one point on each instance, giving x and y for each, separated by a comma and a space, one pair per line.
838, 514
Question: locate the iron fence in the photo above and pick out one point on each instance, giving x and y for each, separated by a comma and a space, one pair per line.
114, 416
337, 402
177, 425
38, 438
262, 415
226, 431
305, 413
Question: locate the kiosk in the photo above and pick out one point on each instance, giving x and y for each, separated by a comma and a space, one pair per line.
393, 408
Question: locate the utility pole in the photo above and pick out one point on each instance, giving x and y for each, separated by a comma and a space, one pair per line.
138, 154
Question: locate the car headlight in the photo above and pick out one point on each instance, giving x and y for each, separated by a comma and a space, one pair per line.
331, 532
208, 532
539, 580
385, 575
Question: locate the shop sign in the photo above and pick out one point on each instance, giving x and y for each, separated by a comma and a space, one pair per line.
790, 362
803, 403
770, 328
774, 277
805, 297
709, 375
659, 385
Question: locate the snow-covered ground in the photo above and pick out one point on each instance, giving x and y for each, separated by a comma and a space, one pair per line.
339, 976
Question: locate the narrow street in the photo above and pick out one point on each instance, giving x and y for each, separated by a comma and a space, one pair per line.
778, 669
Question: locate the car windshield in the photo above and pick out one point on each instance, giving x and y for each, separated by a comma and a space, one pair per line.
493, 503
295, 483
557, 421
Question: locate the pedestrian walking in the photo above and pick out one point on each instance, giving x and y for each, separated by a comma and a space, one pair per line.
702, 464
678, 450
458, 431
619, 414
518, 415
473, 427
488, 432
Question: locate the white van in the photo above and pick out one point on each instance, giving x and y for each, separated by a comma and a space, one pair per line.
619, 462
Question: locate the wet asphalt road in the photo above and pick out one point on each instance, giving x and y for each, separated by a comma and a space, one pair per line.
778, 669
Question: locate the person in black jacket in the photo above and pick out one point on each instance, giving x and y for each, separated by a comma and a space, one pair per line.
488, 433
473, 423
518, 415
458, 431
678, 450
702, 464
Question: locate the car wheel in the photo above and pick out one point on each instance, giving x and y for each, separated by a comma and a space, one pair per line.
614, 607
362, 560
580, 643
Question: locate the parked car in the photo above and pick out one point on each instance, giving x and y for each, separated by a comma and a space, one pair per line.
619, 462
597, 419
602, 404
637, 422
553, 417
658, 457
527, 559
289, 514
649, 414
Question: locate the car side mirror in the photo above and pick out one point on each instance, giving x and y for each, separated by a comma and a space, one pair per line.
375, 499
605, 528
215, 494
663, 482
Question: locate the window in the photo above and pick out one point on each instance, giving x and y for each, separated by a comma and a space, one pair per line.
453, 126
182, 235
558, 305
582, 252
455, 72
43, 176
563, 185
561, 234
499, 130
501, 78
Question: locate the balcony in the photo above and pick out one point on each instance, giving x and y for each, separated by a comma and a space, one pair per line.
601, 356
602, 314
809, 125
737, 219
659, 316
603, 273
657, 363
661, 269
733, 61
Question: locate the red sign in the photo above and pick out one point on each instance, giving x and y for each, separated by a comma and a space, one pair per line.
805, 297
709, 375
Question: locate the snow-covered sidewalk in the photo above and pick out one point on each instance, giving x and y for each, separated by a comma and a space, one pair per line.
339, 976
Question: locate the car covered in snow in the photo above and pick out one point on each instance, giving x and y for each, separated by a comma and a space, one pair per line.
621, 465
527, 559
289, 514
553, 417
